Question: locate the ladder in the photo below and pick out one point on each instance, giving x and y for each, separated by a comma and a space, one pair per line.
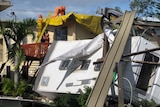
99, 92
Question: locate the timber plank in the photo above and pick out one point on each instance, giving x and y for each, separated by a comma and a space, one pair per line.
99, 92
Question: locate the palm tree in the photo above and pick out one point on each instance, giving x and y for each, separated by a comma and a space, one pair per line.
17, 32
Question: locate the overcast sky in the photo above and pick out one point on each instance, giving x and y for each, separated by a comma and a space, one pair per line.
31, 8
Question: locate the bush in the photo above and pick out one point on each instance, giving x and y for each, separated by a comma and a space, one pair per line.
83, 97
8, 87
70, 100
11, 89
66, 100
146, 103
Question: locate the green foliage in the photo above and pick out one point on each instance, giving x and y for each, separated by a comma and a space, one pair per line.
118, 9
17, 51
11, 89
22, 87
66, 100
69, 100
148, 8
146, 103
83, 97
8, 87
17, 32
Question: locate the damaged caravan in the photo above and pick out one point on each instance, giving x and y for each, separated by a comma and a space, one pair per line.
70, 66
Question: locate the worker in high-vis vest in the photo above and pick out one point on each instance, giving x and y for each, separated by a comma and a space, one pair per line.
39, 24
59, 10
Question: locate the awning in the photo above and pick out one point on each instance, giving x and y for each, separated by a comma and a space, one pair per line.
4, 5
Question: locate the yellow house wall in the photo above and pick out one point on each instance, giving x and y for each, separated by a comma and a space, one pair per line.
4, 57
74, 30
30, 41
78, 32
71, 27
1, 50
82, 33
71, 31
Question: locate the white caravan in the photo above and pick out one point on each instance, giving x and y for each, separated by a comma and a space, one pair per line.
68, 68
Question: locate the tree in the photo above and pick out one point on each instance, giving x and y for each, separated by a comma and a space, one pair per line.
118, 9
17, 31
147, 8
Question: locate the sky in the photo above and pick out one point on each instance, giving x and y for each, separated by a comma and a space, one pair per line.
31, 8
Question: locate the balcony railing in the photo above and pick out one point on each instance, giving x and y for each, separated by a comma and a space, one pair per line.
35, 50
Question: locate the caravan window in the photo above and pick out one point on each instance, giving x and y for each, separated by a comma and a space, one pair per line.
64, 64
44, 81
146, 75
97, 67
85, 64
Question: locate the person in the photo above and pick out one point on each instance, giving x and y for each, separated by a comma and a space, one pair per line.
59, 10
39, 24
45, 37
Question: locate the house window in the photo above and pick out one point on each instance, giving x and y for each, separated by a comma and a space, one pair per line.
60, 33
85, 64
64, 64
146, 72
97, 67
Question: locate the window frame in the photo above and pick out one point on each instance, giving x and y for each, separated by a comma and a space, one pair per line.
146, 72
64, 64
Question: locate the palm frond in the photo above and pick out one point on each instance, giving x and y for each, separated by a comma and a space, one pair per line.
17, 31
17, 51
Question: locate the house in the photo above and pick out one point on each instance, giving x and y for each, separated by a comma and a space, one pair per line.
4, 4
74, 26
71, 26
68, 27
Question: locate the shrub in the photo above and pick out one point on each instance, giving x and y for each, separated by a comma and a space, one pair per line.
66, 100
11, 89
146, 103
70, 100
83, 97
